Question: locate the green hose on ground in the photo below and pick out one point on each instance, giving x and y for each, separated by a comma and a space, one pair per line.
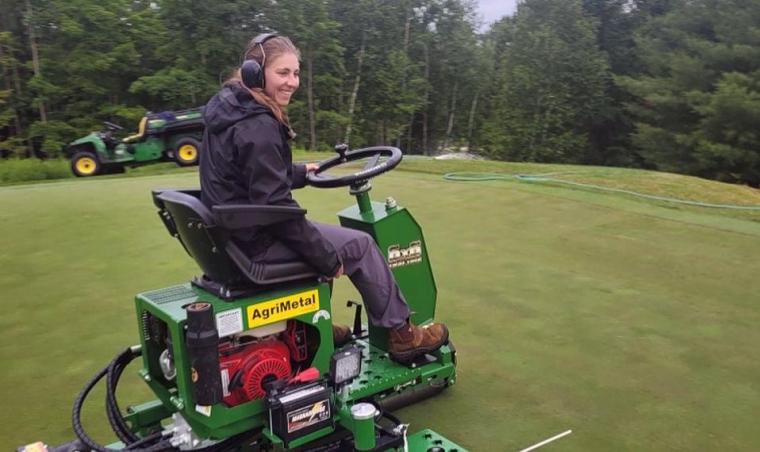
544, 178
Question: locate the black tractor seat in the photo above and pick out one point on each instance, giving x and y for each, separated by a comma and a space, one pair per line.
207, 237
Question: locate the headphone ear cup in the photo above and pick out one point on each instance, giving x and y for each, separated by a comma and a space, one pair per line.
252, 75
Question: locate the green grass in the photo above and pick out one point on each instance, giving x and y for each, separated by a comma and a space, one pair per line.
15, 171
632, 323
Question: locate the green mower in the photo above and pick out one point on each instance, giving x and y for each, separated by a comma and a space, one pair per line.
242, 358
166, 136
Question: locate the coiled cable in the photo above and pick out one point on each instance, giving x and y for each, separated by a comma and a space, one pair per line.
76, 419
115, 370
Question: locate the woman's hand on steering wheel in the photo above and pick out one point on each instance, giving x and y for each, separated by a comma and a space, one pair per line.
311, 167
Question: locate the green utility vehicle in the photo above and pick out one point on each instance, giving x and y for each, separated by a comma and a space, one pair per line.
170, 135
242, 357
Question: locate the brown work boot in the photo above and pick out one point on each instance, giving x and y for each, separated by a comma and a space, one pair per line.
410, 341
341, 335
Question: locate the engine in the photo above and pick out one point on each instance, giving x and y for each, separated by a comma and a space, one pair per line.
248, 364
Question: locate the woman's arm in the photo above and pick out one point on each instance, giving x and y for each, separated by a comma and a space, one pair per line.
299, 174
260, 148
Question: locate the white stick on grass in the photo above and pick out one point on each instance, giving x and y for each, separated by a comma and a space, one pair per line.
547, 441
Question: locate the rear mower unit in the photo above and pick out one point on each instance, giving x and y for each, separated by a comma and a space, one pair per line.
166, 136
242, 357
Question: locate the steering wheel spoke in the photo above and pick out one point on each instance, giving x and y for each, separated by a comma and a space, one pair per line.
372, 162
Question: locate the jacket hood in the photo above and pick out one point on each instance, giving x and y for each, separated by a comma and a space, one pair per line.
230, 105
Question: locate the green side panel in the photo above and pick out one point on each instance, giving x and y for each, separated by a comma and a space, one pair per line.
150, 149
91, 138
168, 305
90, 141
427, 440
120, 154
401, 240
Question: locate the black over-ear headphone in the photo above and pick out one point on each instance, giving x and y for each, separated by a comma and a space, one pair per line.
251, 72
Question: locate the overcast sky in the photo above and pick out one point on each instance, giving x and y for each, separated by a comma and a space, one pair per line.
493, 10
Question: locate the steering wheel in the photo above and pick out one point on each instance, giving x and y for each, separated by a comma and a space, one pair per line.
112, 126
373, 167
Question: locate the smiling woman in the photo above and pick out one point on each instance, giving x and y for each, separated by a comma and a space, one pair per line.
247, 160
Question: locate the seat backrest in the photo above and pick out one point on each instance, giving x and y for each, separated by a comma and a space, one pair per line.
140, 131
205, 235
188, 219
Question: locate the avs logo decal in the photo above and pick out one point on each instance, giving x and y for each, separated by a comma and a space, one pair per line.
399, 257
308, 415
282, 308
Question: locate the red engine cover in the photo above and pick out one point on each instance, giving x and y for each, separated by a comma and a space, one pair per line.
247, 367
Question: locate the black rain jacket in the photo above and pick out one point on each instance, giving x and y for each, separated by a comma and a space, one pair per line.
246, 159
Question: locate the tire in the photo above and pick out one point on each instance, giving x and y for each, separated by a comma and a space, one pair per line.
187, 152
85, 164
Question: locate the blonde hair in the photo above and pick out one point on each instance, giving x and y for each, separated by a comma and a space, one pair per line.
270, 50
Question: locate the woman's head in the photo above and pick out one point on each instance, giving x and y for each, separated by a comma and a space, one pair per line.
279, 59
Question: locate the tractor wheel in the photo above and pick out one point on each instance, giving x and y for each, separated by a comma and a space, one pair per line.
84, 164
188, 150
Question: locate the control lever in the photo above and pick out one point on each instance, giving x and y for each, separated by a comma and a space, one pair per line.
357, 317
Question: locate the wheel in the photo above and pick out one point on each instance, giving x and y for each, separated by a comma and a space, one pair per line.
187, 152
372, 168
84, 164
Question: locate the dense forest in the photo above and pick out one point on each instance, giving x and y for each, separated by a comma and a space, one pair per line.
672, 85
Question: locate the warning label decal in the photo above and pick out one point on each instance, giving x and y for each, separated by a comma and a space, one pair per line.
308, 415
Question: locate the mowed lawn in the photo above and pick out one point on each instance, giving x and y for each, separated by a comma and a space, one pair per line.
635, 325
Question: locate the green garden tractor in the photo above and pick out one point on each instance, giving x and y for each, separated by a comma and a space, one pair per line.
242, 357
168, 136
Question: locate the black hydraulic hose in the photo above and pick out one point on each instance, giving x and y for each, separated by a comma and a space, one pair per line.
115, 370
113, 373
76, 420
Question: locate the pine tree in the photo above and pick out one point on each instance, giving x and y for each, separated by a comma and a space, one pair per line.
697, 105
551, 87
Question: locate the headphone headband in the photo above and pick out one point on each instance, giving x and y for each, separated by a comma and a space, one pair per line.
263, 37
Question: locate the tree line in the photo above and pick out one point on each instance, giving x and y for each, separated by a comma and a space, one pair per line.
672, 85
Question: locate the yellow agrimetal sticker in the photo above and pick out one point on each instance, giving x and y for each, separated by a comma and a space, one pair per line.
282, 308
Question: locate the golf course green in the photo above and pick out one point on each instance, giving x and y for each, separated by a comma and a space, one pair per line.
632, 323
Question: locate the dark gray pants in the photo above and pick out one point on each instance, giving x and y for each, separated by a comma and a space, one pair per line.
365, 265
